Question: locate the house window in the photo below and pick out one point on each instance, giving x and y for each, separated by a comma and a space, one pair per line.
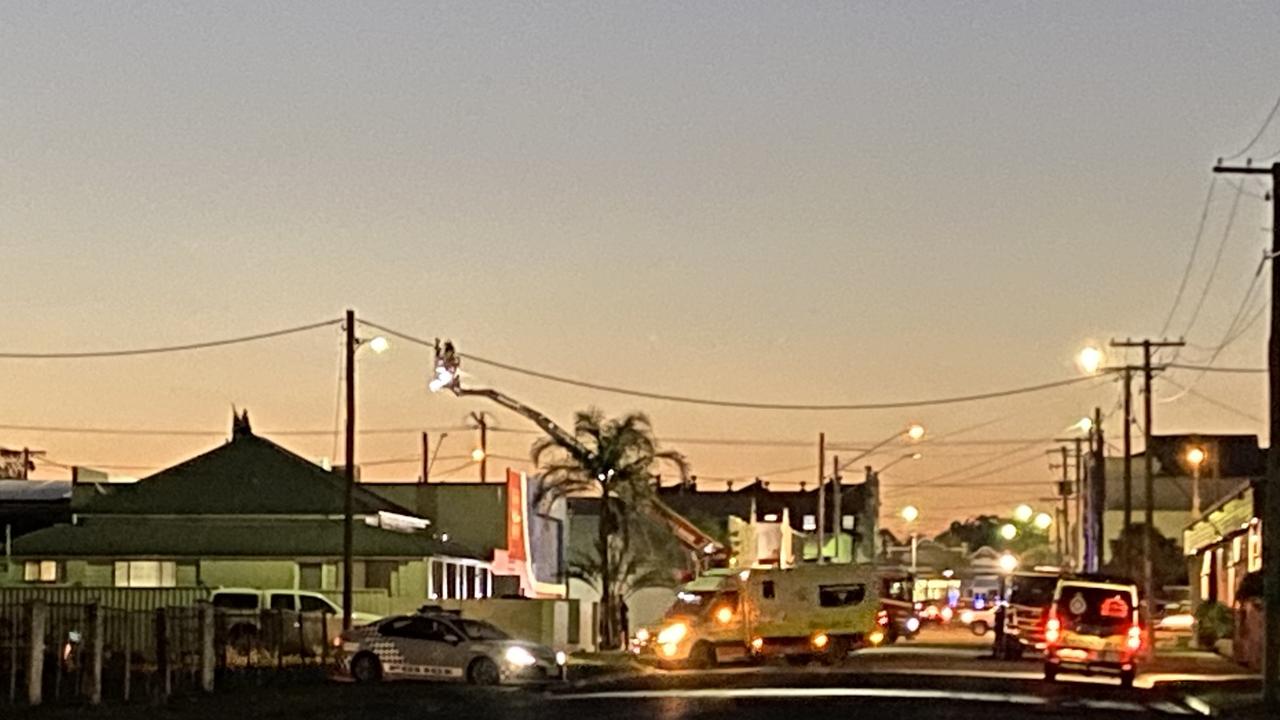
40, 571
145, 573
846, 522
377, 575
809, 523
310, 576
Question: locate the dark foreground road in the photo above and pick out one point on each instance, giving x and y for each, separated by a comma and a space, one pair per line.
950, 677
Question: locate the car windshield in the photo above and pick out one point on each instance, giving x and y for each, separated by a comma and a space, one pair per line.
690, 603
1088, 608
481, 630
1035, 590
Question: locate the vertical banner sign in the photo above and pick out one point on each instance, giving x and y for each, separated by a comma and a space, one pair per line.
515, 516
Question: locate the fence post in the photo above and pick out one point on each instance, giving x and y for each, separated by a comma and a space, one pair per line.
129, 617
162, 651
39, 619
14, 622
207, 657
96, 644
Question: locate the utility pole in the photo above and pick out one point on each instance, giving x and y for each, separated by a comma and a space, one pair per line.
1068, 487
1149, 484
822, 495
1128, 446
426, 458
1077, 536
1271, 513
348, 520
1064, 491
837, 529
484, 445
1097, 496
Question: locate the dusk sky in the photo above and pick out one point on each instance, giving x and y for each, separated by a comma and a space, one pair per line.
773, 202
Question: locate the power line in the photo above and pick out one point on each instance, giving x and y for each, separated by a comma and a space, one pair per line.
971, 478
742, 405
1209, 368
163, 349
93, 430
1261, 131
1214, 401
1191, 260
1217, 260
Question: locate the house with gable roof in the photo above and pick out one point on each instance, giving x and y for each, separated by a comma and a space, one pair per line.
248, 513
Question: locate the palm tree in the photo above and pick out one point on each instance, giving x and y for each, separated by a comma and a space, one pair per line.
615, 460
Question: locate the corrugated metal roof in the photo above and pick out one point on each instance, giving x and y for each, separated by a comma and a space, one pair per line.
34, 490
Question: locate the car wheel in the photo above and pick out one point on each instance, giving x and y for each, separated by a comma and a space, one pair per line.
366, 668
1050, 672
483, 671
979, 628
702, 656
1127, 677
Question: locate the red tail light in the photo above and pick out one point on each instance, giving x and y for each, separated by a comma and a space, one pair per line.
1135, 638
882, 618
1052, 630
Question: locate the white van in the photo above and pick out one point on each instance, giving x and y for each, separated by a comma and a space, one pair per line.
816, 611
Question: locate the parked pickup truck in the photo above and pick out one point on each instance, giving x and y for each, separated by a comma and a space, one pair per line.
294, 618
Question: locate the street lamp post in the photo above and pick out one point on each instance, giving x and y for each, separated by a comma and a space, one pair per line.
910, 513
1196, 457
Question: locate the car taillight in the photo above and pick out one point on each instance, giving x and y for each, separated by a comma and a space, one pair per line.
1052, 630
1135, 638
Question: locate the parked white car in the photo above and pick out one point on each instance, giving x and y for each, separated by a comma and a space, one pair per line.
242, 608
437, 645
979, 621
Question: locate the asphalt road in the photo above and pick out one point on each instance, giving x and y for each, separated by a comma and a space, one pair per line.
942, 676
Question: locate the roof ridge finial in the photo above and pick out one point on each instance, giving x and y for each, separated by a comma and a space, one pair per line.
240, 426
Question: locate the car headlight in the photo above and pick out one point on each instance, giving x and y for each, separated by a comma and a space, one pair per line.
561, 658
520, 657
672, 634
642, 635
913, 624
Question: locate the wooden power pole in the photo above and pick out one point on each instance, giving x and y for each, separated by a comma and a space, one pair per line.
1149, 486
1271, 512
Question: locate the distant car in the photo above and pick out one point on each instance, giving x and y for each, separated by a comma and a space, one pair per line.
1093, 626
241, 612
981, 621
437, 645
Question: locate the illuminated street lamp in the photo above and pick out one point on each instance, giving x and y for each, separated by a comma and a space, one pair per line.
477, 455
1009, 531
1090, 360
915, 433
1195, 458
1042, 521
1023, 513
1008, 563
379, 344
910, 513
1085, 425
895, 461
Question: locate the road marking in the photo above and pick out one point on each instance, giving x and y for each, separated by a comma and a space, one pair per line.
882, 693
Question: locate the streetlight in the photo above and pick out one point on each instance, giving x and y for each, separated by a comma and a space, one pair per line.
1196, 457
915, 433
1091, 359
911, 513
1042, 521
1023, 513
379, 344
1085, 425
477, 455
1008, 531
1008, 563
912, 433
895, 461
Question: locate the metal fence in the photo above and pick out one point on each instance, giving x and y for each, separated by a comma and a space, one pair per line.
90, 652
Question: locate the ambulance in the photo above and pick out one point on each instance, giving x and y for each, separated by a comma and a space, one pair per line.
806, 612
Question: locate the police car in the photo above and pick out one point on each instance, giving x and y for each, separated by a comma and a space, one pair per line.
437, 645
